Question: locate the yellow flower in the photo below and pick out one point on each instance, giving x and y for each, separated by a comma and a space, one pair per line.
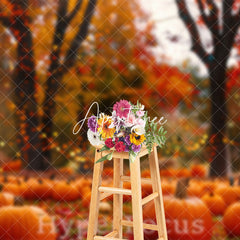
104, 129
137, 139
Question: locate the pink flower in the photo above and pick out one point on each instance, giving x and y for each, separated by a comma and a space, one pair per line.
140, 122
140, 113
122, 108
130, 120
109, 143
120, 147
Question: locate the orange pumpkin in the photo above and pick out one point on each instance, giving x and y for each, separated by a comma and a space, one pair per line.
186, 218
65, 191
81, 184
16, 189
231, 220
42, 189
198, 170
29, 185
215, 203
146, 189
26, 222
168, 188
228, 193
146, 173
86, 198
107, 172
6, 199
12, 166
195, 189
183, 172
168, 172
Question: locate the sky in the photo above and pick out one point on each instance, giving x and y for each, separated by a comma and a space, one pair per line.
173, 38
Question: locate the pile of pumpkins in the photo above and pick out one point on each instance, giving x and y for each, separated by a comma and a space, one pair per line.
44, 188
191, 204
20, 221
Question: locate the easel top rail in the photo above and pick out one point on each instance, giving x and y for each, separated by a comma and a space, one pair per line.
125, 155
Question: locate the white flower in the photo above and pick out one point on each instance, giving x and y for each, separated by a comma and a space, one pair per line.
138, 129
94, 138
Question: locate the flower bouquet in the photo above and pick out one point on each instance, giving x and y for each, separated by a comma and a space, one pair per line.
126, 130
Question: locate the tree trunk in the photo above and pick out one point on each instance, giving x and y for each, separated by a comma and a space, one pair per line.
25, 89
218, 121
49, 109
57, 70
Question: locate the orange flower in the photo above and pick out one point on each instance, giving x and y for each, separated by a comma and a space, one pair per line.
104, 129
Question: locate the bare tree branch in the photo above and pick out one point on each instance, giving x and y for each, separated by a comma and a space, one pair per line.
193, 31
59, 33
228, 19
71, 54
203, 14
75, 10
236, 20
211, 20
213, 7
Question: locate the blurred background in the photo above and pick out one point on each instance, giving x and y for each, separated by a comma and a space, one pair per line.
135, 50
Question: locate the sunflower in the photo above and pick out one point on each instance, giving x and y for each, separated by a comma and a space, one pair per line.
104, 129
137, 139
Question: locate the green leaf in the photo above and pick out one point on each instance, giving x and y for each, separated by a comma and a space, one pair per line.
104, 148
109, 156
154, 127
132, 156
106, 157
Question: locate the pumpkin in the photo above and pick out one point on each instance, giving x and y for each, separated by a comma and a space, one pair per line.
86, 198
16, 189
8, 199
42, 189
195, 189
107, 172
183, 172
65, 191
186, 218
12, 166
198, 170
29, 185
168, 172
208, 186
81, 183
231, 220
5, 178
105, 207
230, 194
168, 188
215, 203
146, 173
146, 189
26, 223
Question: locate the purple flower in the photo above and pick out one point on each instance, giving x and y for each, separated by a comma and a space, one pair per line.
127, 140
126, 148
92, 124
136, 148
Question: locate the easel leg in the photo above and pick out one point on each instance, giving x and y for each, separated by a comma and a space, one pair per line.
135, 172
94, 205
117, 198
156, 185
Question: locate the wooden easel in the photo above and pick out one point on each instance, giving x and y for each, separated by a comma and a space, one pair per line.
99, 193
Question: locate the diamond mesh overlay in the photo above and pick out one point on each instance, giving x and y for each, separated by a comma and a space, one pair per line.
75, 94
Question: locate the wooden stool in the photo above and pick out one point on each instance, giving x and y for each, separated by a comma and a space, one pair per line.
99, 193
